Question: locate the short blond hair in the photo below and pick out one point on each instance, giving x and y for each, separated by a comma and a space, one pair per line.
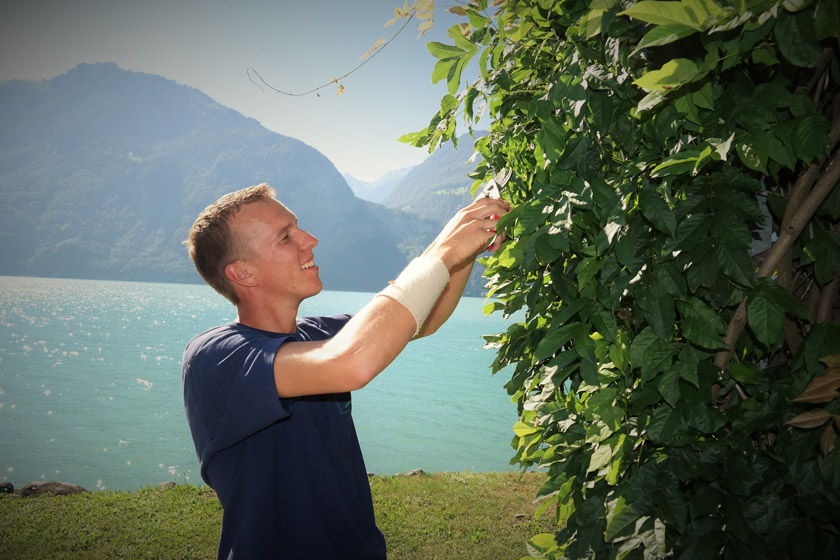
211, 243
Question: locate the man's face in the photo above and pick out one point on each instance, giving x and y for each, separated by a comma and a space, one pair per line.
280, 254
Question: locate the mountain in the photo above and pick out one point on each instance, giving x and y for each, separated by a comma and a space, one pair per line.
377, 190
102, 172
438, 187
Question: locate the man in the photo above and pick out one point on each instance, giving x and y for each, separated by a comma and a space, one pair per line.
267, 396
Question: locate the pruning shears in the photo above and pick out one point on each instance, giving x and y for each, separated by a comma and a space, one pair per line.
494, 187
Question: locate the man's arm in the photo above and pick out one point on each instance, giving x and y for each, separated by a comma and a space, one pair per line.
451, 295
376, 335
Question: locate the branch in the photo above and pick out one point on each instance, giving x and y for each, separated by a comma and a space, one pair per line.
819, 70
790, 231
334, 80
787, 237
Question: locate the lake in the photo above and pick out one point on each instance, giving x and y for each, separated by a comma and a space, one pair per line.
90, 386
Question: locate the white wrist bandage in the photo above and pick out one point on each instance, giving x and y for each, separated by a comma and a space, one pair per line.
419, 286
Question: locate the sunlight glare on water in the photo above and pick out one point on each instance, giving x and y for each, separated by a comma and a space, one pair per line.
90, 386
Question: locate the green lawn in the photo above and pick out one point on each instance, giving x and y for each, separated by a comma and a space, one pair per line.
486, 516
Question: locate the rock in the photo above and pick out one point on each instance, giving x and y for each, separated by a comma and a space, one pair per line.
415, 472
7, 488
168, 485
49, 487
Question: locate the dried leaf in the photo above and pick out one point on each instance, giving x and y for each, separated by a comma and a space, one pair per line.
425, 26
828, 439
400, 13
458, 10
379, 43
810, 419
832, 361
822, 388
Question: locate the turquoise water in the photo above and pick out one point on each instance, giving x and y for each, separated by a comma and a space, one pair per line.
90, 386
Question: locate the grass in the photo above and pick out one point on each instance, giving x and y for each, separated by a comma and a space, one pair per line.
486, 516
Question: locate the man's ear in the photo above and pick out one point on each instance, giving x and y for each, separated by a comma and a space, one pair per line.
239, 273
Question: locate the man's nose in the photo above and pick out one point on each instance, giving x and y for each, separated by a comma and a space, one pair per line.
309, 241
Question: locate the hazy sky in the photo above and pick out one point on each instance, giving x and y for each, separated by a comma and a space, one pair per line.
294, 45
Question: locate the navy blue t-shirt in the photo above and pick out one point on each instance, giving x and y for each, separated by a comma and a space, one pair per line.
288, 472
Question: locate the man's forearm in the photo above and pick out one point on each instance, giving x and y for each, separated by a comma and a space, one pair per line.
448, 300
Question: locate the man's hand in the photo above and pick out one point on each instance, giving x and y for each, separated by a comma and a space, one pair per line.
470, 232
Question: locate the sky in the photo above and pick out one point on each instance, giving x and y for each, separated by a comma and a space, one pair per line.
294, 45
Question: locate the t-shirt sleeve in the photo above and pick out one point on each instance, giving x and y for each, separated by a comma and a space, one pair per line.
229, 390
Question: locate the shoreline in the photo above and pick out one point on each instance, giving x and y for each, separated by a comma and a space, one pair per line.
63, 488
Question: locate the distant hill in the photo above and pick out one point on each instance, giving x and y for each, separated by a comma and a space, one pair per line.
102, 171
438, 187
376, 191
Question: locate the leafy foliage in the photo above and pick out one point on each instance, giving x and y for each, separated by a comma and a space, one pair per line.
676, 249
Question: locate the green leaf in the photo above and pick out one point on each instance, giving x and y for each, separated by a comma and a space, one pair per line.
669, 386
691, 231
442, 69
689, 13
658, 306
443, 51
765, 319
657, 212
543, 543
664, 423
765, 54
742, 373
600, 458
511, 255
663, 35
754, 150
521, 429
797, 38
811, 138
650, 101
704, 97
701, 333
619, 516
782, 152
782, 298
707, 501
458, 38
736, 264
671, 75
671, 506
675, 164
591, 22
554, 341
827, 20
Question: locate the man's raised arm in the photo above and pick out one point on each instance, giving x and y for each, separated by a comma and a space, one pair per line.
420, 300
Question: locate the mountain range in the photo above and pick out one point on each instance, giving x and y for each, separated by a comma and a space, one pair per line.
376, 191
103, 170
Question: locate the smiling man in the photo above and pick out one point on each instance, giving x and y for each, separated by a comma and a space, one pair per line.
267, 396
